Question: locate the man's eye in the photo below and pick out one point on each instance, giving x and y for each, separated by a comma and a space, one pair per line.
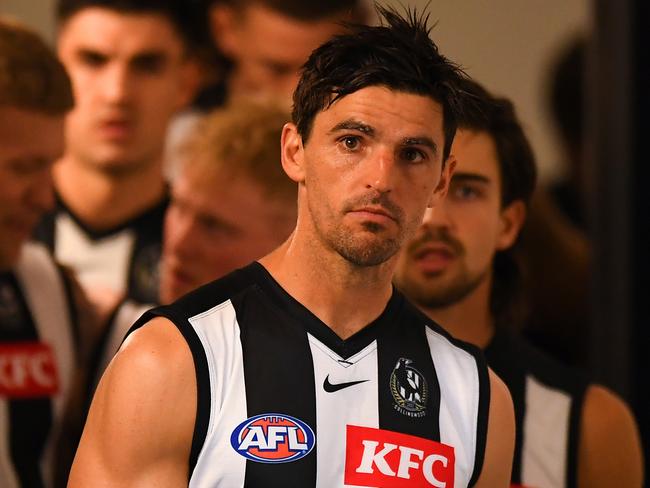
92, 59
412, 155
350, 142
465, 192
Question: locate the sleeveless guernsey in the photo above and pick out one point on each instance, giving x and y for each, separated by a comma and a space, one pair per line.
548, 398
283, 401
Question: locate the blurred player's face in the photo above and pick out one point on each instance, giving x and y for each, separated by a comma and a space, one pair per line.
370, 167
217, 223
268, 48
29, 143
129, 75
452, 252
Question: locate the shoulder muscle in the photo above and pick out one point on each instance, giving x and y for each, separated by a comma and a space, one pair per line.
140, 425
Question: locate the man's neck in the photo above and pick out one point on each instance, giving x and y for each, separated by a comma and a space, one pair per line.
468, 319
102, 200
344, 296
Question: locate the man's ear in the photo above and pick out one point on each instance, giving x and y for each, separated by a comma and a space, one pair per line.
512, 220
223, 28
293, 153
442, 187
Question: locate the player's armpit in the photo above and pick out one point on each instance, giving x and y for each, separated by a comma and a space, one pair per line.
139, 429
610, 446
499, 449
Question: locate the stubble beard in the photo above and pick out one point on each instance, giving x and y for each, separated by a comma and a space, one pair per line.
370, 246
370, 249
426, 293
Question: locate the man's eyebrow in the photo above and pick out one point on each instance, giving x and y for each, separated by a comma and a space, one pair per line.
470, 177
91, 53
351, 124
421, 141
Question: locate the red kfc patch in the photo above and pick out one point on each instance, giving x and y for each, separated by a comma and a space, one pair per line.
27, 370
376, 457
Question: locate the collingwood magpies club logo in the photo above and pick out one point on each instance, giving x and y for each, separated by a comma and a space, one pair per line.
409, 389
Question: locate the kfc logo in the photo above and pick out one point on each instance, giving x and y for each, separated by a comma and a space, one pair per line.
376, 457
27, 370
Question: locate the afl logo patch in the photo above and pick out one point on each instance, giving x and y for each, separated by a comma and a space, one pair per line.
273, 438
409, 389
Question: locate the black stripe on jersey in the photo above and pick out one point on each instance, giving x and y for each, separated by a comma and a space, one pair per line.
407, 340
276, 381
30, 419
483, 415
500, 360
575, 424
73, 312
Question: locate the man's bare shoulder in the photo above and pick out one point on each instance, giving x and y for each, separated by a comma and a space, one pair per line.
141, 421
610, 445
497, 464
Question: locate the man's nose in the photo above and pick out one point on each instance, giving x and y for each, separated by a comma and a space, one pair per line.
380, 170
116, 84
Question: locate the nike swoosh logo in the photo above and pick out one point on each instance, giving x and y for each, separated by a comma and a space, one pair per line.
330, 388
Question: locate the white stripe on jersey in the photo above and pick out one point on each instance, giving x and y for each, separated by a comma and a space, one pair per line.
547, 422
219, 465
360, 403
98, 263
454, 367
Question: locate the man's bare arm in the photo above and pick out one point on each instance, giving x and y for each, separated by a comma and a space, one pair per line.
499, 449
139, 429
610, 446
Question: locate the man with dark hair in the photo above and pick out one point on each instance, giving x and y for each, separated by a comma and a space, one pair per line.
131, 71
39, 343
306, 368
461, 270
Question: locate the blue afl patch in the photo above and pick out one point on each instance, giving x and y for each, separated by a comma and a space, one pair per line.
273, 438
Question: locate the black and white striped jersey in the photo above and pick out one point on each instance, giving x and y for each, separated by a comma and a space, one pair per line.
283, 401
124, 259
37, 361
548, 398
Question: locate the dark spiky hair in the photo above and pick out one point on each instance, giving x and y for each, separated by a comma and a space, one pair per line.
398, 54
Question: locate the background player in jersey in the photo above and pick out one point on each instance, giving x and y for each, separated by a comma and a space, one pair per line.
131, 71
374, 117
460, 269
39, 344
231, 203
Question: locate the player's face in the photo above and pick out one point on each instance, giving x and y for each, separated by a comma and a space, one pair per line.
129, 75
369, 169
269, 48
216, 224
452, 252
29, 143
